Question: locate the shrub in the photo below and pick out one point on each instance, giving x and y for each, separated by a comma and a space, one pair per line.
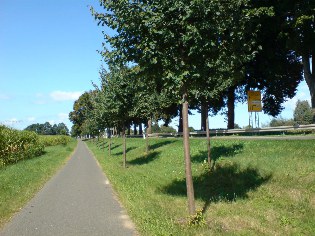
17, 145
53, 140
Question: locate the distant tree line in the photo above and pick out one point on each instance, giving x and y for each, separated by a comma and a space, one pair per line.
302, 115
48, 129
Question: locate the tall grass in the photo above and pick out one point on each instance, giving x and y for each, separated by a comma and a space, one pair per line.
254, 187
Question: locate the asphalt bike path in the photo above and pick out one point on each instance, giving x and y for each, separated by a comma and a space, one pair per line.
77, 201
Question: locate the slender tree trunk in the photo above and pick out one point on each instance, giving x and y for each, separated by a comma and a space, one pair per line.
204, 115
310, 79
128, 130
208, 139
124, 147
149, 128
147, 143
110, 147
180, 121
140, 129
135, 129
147, 135
230, 105
189, 180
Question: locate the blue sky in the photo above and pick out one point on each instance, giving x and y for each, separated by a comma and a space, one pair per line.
49, 57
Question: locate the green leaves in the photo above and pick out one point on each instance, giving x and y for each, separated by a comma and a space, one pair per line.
303, 114
17, 145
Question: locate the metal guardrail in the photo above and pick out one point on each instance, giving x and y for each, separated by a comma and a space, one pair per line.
239, 131
255, 130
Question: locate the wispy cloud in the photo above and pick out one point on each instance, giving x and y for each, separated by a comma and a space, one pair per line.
4, 97
31, 119
11, 121
40, 99
63, 117
65, 96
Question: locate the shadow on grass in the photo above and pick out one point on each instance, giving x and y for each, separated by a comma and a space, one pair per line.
161, 144
121, 153
217, 153
225, 183
145, 159
102, 145
112, 147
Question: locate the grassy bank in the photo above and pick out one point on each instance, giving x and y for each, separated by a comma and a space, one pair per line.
21, 181
254, 188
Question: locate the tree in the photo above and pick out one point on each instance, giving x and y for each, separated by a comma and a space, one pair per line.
151, 102
116, 97
62, 129
276, 69
299, 25
35, 127
303, 114
81, 109
185, 44
48, 129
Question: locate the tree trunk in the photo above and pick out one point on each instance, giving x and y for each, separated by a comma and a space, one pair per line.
204, 115
128, 130
110, 147
135, 129
140, 129
147, 135
149, 128
230, 105
310, 79
124, 147
188, 172
208, 139
180, 121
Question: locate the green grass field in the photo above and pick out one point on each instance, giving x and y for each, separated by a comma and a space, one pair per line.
21, 181
254, 187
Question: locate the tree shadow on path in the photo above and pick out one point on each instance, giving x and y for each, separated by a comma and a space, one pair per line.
226, 183
146, 159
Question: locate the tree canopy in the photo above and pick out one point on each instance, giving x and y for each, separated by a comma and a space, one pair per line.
303, 113
82, 108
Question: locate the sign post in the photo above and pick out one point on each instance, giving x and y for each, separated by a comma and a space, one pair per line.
254, 105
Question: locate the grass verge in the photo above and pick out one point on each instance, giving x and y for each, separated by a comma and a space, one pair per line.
21, 181
254, 188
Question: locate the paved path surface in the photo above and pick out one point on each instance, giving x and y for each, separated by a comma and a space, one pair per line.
77, 201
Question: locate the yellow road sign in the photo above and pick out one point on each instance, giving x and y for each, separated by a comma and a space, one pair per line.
254, 95
254, 101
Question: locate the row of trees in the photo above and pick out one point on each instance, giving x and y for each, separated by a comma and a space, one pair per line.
48, 129
168, 56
